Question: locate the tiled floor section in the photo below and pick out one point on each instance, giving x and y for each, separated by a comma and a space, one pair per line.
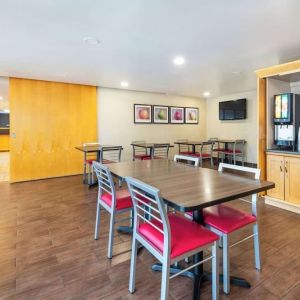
47, 250
4, 166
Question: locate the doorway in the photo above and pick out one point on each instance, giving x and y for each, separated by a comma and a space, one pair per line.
4, 130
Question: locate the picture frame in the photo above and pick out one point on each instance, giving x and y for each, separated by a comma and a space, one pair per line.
142, 113
161, 114
191, 115
176, 115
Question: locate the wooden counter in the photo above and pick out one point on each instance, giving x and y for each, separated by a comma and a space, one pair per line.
283, 168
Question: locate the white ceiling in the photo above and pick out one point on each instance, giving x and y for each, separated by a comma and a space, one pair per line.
43, 39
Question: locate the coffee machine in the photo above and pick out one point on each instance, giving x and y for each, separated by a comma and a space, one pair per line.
286, 120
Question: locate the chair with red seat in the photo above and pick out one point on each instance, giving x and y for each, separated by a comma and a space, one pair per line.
160, 151
184, 149
139, 152
224, 220
205, 152
170, 238
110, 154
88, 159
115, 202
237, 151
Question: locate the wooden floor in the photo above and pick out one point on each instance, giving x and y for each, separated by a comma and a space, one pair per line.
4, 166
47, 250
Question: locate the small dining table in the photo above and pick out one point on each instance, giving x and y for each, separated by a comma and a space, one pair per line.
185, 189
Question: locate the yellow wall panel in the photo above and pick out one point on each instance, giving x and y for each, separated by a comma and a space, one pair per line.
49, 119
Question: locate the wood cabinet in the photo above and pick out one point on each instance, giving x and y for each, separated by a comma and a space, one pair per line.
292, 179
284, 171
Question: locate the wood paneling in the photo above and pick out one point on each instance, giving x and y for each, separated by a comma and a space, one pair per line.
262, 129
48, 119
292, 179
4, 142
287, 68
275, 173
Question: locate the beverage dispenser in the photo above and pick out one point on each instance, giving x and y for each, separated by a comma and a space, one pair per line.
286, 120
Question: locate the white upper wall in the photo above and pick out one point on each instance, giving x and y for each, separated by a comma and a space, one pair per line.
116, 125
238, 129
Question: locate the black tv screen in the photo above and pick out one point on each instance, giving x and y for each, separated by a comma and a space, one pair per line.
233, 110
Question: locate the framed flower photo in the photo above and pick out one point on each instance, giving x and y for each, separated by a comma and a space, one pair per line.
160, 114
177, 115
142, 114
191, 115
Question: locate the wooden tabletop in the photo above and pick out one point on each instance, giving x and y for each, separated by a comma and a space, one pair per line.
193, 142
96, 148
227, 141
148, 145
187, 188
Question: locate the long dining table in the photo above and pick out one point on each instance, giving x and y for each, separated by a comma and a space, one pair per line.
185, 189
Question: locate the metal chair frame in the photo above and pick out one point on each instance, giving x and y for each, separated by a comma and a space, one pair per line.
206, 148
182, 147
140, 191
160, 151
238, 145
138, 150
89, 155
224, 238
106, 184
110, 154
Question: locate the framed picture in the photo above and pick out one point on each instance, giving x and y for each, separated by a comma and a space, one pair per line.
191, 115
142, 113
160, 114
177, 115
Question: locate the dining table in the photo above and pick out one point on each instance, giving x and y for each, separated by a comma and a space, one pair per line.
189, 189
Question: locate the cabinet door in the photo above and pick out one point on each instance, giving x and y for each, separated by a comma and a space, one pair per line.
292, 179
275, 173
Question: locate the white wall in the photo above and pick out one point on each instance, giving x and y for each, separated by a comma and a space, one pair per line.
116, 126
237, 129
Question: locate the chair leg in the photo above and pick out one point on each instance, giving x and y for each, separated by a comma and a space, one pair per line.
211, 162
256, 247
165, 280
226, 264
84, 172
111, 235
97, 221
234, 159
133, 265
215, 272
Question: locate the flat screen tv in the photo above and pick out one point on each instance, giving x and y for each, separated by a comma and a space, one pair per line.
233, 110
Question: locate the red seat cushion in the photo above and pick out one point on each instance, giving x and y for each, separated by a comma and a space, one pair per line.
90, 161
107, 161
186, 153
218, 149
231, 151
186, 235
123, 199
142, 156
226, 218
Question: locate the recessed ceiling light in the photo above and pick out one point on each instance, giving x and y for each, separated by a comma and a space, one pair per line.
206, 94
124, 84
179, 60
1, 98
236, 72
91, 40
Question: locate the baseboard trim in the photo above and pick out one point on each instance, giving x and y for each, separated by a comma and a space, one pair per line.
283, 204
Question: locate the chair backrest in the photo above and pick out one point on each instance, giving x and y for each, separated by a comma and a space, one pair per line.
244, 170
206, 148
105, 182
138, 150
161, 150
182, 147
239, 145
156, 210
90, 155
111, 154
187, 159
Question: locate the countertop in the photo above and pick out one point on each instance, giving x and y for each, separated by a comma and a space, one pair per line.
283, 151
